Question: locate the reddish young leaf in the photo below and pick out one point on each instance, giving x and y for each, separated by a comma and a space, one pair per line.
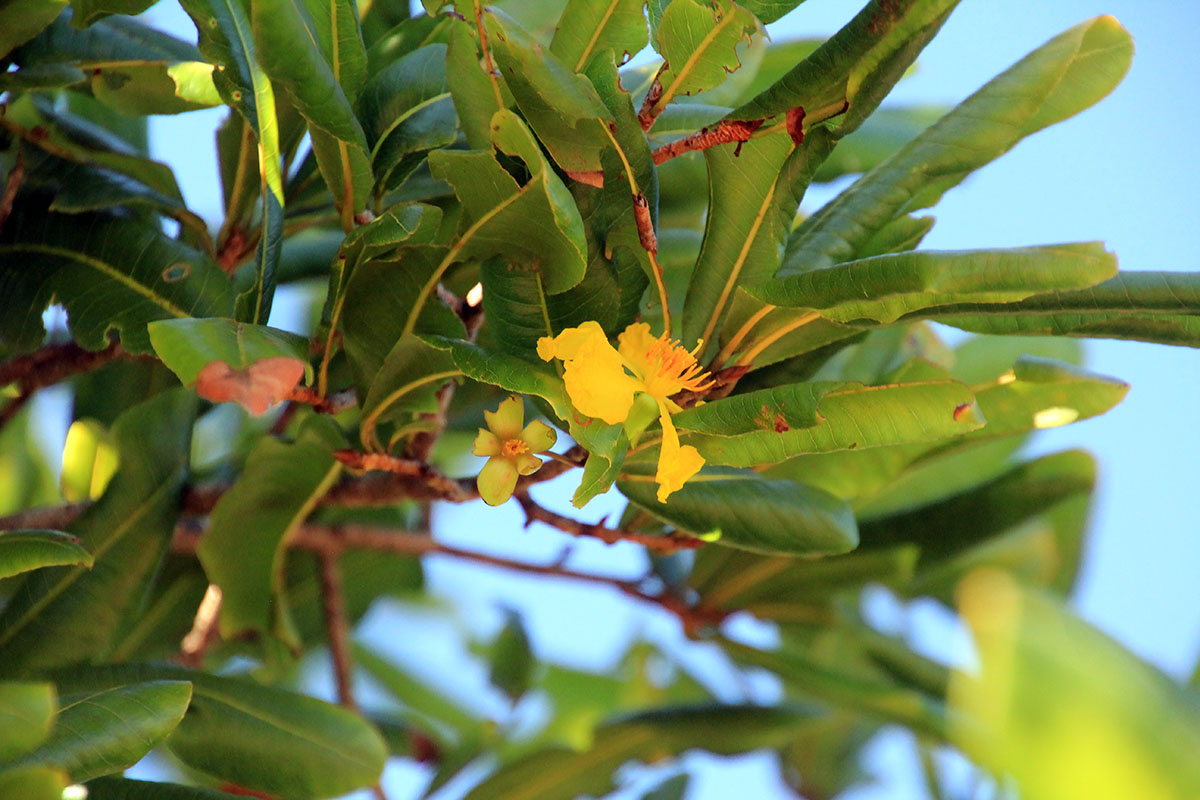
256, 388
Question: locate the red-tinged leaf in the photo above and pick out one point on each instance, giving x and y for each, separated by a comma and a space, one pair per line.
256, 388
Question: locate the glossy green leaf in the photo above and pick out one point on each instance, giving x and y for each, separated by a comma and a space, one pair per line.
106, 731
125, 789
21, 20
187, 345
33, 783
23, 550
881, 135
744, 510
475, 99
226, 40
244, 549
68, 614
408, 380
1119, 726
407, 111
562, 772
107, 272
116, 38
534, 223
27, 712
699, 44
1063, 77
572, 128
259, 737
589, 27
292, 57
769, 425
885, 288
335, 23
154, 88
89, 11
867, 56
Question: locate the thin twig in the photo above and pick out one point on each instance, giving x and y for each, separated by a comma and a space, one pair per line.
205, 632
330, 404
648, 113
662, 544
337, 627
50, 364
725, 132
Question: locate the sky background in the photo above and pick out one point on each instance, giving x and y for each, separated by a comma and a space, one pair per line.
1125, 172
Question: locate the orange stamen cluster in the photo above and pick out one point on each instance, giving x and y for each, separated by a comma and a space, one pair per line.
675, 368
513, 448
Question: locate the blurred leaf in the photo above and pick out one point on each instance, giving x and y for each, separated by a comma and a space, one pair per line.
1063, 77
769, 425
258, 737
186, 346
243, 550
33, 783
512, 660
673, 788
21, 20
884, 288
67, 614
402, 37
125, 789
744, 510
107, 272
534, 222
572, 128
698, 43
89, 11
27, 712
26, 480
407, 111
1118, 727
24, 550
589, 27
106, 731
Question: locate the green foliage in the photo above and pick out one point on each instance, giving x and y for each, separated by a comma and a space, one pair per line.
481, 201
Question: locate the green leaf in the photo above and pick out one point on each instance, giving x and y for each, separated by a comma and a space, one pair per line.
1063, 77
572, 125
1030, 712
1145, 306
89, 11
187, 345
27, 712
68, 614
589, 27
244, 549
475, 100
258, 737
102, 732
154, 88
21, 20
770, 10
881, 135
648, 736
407, 111
407, 381
534, 223
744, 510
290, 54
33, 783
125, 789
867, 56
885, 288
107, 272
24, 550
335, 23
770, 425
699, 44
226, 39
512, 660
115, 39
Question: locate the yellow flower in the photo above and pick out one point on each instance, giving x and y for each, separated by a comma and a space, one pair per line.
510, 449
603, 382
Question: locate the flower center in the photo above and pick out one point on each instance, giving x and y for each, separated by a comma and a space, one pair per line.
513, 448
672, 369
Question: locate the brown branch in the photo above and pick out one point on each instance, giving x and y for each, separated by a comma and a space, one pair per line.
337, 626
647, 114
12, 184
725, 132
662, 544
54, 362
331, 404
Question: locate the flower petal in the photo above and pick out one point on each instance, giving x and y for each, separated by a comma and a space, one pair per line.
566, 345
497, 480
507, 419
676, 464
597, 382
634, 343
486, 443
539, 436
527, 464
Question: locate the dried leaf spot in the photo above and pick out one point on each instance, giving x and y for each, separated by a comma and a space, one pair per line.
794, 122
255, 388
176, 272
962, 411
781, 425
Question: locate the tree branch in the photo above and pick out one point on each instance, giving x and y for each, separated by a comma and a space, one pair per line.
662, 544
52, 363
337, 627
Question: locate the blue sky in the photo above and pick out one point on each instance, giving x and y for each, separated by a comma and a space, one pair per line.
1125, 172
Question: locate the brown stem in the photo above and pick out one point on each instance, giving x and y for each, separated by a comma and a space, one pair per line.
15, 177
647, 114
663, 544
50, 364
331, 404
725, 132
337, 626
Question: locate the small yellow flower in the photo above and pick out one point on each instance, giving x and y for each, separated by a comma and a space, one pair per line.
603, 381
510, 449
